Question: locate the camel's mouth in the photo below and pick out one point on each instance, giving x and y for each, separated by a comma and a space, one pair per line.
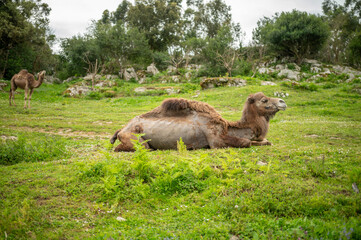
281, 105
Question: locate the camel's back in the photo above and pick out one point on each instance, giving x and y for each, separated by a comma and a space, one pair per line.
164, 132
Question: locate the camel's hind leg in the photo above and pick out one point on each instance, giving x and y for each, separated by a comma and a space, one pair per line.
12, 94
126, 144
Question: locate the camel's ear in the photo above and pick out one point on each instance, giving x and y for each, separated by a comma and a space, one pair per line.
250, 99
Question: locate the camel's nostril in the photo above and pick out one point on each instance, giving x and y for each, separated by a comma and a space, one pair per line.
281, 101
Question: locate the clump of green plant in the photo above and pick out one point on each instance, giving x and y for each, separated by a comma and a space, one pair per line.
22, 150
94, 95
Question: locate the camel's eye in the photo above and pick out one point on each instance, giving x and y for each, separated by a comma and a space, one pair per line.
264, 100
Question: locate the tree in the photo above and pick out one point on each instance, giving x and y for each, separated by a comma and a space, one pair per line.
344, 24
121, 12
24, 30
158, 19
295, 34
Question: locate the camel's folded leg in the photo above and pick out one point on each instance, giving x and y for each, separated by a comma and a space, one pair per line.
126, 144
261, 143
225, 141
237, 142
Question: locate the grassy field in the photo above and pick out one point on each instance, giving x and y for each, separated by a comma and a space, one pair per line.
62, 180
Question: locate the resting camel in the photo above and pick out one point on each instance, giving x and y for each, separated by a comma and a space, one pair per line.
200, 125
26, 81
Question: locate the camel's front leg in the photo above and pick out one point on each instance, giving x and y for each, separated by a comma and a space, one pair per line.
29, 97
261, 143
224, 141
126, 144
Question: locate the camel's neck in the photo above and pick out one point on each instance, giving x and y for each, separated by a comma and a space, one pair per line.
251, 119
39, 82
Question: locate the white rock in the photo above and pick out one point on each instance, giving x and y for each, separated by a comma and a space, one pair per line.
289, 74
152, 69
268, 83
120, 219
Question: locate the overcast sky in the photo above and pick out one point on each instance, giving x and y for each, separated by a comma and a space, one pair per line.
72, 17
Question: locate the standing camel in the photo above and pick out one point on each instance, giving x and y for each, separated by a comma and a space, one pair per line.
26, 81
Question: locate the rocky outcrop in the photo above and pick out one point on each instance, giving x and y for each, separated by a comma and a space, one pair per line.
77, 91
289, 74
129, 73
89, 77
152, 69
221, 82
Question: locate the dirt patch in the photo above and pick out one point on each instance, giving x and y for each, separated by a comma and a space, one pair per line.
65, 132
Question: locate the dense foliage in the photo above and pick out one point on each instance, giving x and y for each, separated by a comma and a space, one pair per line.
177, 33
25, 38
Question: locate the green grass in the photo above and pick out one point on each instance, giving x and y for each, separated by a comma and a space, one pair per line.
65, 182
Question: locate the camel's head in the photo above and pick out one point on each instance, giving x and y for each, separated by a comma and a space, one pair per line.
266, 105
41, 74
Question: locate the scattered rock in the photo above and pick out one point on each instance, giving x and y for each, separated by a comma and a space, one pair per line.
268, 83
316, 69
222, 81
120, 219
111, 77
171, 91
140, 89
171, 69
3, 85
280, 94
130, 73
312, 136
152, 69
142, 76
104, 83
280, 67
233, 237
89, 77
261, 163
290, 74
12, 138
265, 70
76, 91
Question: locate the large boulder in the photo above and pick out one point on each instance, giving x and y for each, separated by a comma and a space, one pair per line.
152, 69
130, 73
222, 81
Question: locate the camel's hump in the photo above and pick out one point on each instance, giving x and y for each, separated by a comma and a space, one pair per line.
179, 104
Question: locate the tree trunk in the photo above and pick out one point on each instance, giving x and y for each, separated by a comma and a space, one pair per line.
5, 64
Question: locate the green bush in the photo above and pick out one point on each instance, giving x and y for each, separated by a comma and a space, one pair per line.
22, 150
